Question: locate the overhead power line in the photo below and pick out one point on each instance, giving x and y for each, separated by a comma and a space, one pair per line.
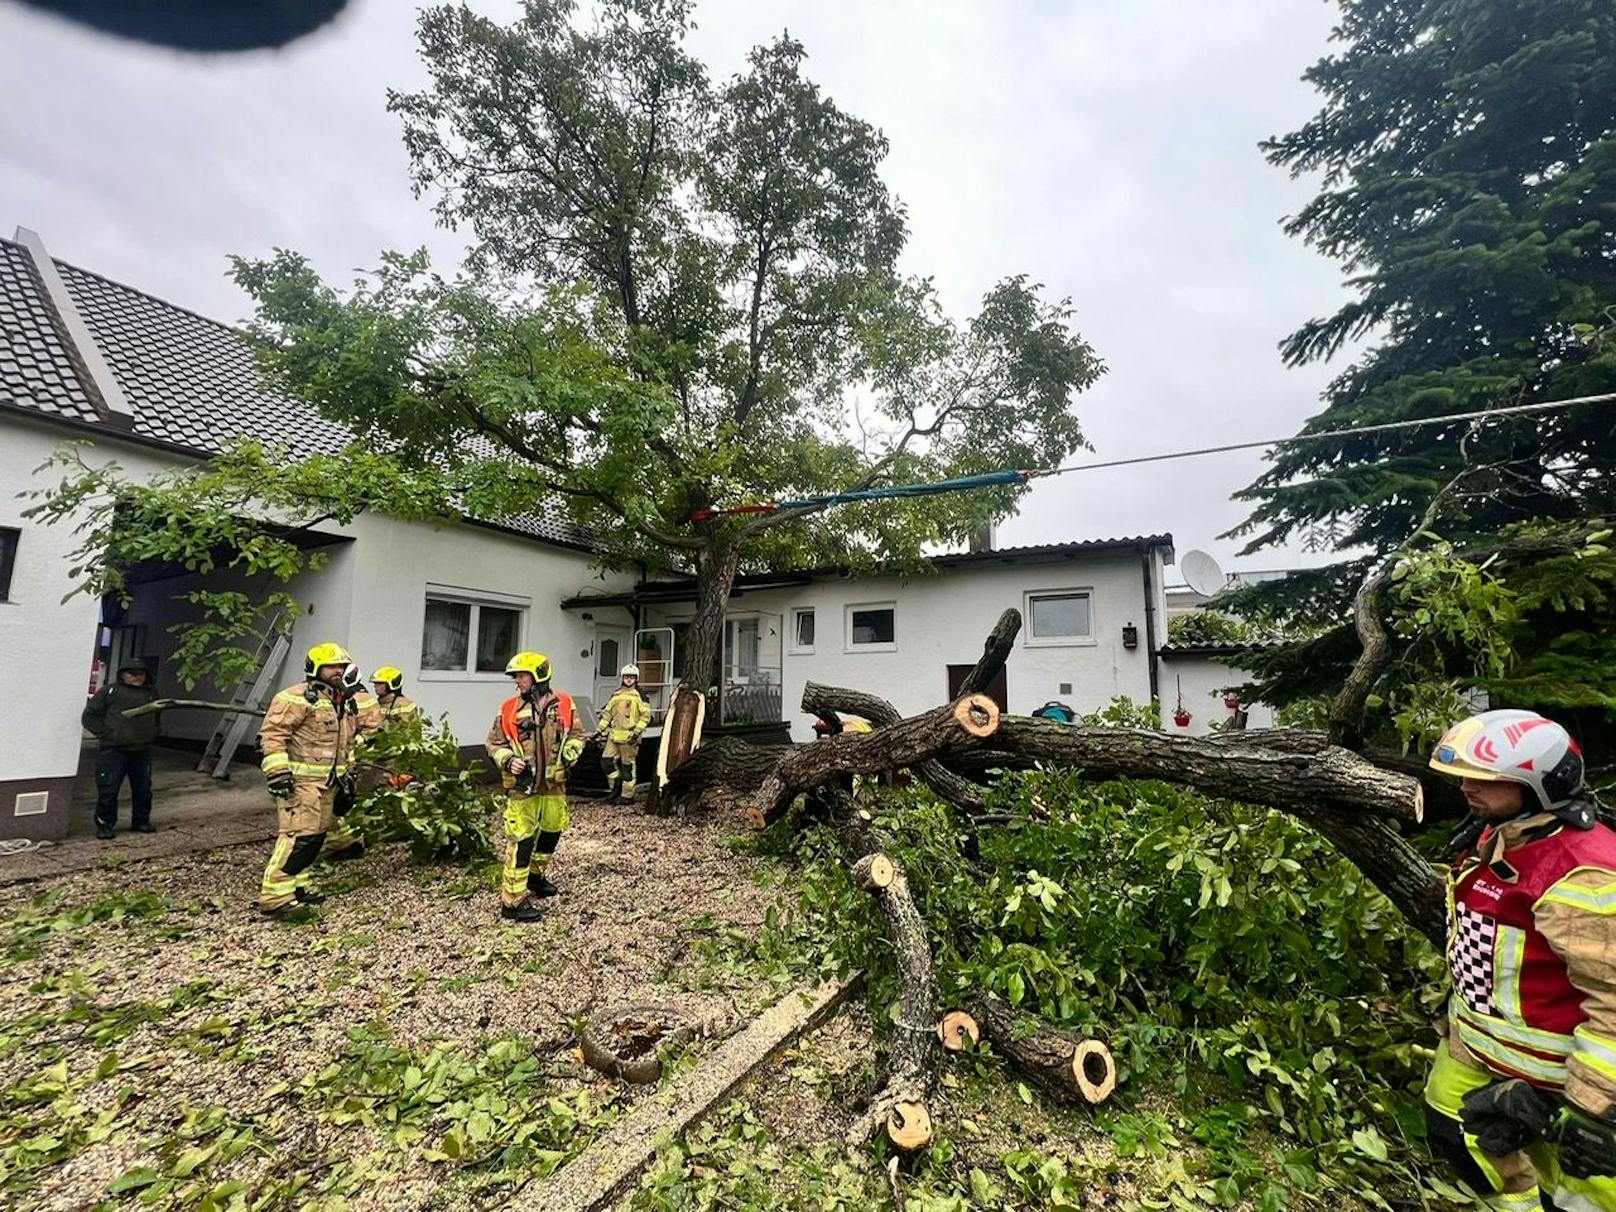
1332, 435
1012, 476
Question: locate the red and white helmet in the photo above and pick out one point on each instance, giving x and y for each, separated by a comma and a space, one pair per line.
1514, 747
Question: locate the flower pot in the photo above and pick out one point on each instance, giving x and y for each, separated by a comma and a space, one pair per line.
1231, 701
1181, 718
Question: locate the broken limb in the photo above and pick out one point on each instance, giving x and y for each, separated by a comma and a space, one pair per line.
902, 1108
156, 705
1069, 1068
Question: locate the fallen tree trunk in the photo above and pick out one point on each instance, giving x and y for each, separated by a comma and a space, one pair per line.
1070, 1069
903, 1105
1330, 778
804, 767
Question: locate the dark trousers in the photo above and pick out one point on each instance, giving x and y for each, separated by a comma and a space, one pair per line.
112, 766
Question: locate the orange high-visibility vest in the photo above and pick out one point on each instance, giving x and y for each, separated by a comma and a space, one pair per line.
507, 719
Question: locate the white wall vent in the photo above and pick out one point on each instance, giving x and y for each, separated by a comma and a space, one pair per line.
31, 803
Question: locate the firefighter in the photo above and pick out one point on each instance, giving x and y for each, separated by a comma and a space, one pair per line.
535, 737
623, 721
307, 738
388, 683
1522, 1096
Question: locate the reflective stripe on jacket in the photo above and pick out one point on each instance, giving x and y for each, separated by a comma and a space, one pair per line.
1532, 954
626, 714
312, 735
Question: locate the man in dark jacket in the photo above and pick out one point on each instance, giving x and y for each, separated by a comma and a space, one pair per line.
125, 748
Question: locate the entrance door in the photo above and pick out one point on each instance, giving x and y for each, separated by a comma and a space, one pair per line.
611, 654
998, 689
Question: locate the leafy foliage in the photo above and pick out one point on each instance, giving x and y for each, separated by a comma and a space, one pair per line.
1228, 956
1207, 626
424, 795
1468, 157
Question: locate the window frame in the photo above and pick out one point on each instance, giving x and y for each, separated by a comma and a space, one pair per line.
1033, 640
10, 543
798, 649
476, 599
848, 610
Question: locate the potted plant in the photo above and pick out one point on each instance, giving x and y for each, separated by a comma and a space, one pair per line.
1231, 701
1181, 717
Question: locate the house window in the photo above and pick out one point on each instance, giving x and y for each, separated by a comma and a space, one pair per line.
802, 629
8, 559
872, 627
467, 635
1059, 616
606, 663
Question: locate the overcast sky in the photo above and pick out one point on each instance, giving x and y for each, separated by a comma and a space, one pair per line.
1108, 148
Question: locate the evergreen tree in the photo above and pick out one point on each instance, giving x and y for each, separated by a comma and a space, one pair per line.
1468, 156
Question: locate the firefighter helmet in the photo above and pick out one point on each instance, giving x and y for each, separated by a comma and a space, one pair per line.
390, 676
629, 671
535, 663
325, 654
1514, 747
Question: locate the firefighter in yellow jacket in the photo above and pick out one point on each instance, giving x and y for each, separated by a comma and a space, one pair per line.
535, 737
396, 707
342, 845
307, 738
623, 721
1522, 1096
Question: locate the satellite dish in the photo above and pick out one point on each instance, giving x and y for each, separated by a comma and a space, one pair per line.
1202, 574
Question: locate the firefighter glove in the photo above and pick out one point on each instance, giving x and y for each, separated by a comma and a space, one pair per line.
343, 802
280, 784
1587, 1145
1508, 1115
571, 749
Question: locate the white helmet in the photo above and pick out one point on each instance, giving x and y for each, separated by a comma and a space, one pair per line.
630, 671
1514, 747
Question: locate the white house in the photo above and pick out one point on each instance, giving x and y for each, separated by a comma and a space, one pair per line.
151, 386
1091, 615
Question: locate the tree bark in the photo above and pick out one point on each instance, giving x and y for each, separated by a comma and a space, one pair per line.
945, 783
716, 565
905, 743
1369, 620
1331, 778
903, 1105
1069, 1068
948, 786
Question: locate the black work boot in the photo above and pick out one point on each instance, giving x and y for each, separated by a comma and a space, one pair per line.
527, 911
540, 885
306, 897
144, 827
357, 850
105, 832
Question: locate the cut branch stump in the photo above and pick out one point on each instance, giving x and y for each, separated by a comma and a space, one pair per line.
1071, 1069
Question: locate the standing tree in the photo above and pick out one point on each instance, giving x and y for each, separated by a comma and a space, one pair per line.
1468, 156
685, 296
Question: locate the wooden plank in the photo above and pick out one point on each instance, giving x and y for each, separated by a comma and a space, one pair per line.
605, 1170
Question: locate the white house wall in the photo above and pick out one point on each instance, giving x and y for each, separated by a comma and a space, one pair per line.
371, 596
942, 619
394, 562
1203, 680
46, 644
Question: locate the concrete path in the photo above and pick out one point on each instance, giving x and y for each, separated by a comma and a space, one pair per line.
191, 811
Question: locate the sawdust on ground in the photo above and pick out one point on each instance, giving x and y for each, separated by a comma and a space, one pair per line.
421, 951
